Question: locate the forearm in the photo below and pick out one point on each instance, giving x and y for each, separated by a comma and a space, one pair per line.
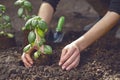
98, 30
46, 12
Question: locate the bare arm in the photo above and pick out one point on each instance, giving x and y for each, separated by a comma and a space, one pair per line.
70, 56
98, 30
46, 12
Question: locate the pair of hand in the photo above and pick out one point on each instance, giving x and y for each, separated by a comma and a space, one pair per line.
69, 59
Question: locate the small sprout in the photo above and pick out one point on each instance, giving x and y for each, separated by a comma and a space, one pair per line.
38, 28
5, 23
24, 8
47, 49
26, 48
31, 37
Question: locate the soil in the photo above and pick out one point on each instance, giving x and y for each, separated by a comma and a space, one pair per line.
100, 61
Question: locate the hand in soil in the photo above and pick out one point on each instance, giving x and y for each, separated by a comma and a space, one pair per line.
26, 57
70, 57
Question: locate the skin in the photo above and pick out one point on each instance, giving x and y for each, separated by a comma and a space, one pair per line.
70, 56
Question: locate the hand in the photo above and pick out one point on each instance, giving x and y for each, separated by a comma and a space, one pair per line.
26, 58
70, 56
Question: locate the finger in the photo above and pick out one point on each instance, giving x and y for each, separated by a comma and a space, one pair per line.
27, 64
71, 59
29, 59
67, 55
74, 64
63, 53
77, 63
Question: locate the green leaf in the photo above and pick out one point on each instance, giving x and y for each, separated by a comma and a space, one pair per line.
31, 37
10, 35
2, 8
47, 49
6, 18
34, 23
37, 54
28, 24
19, 2
20, 12
42, 41
26, 48
2, 32
27, 4
40, 32
8, 25
42, 25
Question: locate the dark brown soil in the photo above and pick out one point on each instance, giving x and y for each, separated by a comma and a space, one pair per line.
101, 61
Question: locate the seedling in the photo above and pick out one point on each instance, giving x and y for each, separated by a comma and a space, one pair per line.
25, 7
5, 23
36, 37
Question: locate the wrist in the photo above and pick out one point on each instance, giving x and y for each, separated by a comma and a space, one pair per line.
80, 43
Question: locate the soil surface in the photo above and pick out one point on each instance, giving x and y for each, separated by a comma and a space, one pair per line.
100, 61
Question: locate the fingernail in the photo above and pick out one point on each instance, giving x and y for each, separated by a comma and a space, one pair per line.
68, 69
60, 63
63, 67
31, 62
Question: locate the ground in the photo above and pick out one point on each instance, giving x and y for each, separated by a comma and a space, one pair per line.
100, 61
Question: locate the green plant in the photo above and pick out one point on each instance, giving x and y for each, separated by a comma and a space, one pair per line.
5, 23
36, 36
25, 7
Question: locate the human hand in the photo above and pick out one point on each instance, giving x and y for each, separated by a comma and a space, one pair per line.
26, 58
70, 56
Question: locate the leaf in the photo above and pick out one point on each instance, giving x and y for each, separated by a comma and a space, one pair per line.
20, 12
37, 54
40, 32
6, 18
28, 24
47, 49
28, 5
31, 37
42, 25
10, 35
19, 2
34, 23
2, 8
42, 41
26, 48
